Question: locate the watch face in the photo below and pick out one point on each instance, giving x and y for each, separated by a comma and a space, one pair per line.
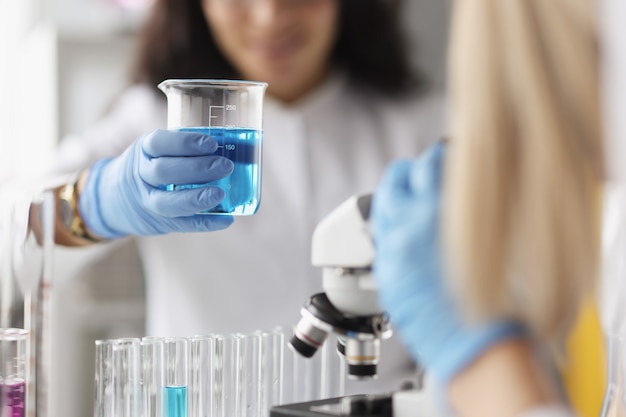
66, 213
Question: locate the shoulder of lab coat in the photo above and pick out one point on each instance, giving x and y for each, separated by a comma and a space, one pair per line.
418, 120
408, 122
137, 111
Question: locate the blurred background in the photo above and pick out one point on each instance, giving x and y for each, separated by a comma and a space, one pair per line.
63, 62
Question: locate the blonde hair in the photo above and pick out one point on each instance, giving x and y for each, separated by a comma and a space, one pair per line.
524, 163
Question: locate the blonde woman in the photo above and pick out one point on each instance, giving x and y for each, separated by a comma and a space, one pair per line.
513, 201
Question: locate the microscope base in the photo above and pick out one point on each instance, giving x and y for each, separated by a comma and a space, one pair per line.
398, 404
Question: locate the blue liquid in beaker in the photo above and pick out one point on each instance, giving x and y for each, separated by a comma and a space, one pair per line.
242, 187
176, 401
13, 395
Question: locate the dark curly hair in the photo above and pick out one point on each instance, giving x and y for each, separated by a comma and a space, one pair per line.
370, 46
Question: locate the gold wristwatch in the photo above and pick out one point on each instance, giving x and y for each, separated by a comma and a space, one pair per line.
69, 214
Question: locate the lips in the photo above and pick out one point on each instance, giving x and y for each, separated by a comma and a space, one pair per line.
278, 48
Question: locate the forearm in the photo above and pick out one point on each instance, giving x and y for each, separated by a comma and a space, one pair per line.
505, 381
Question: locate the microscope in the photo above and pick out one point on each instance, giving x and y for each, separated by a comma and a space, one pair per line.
343, 247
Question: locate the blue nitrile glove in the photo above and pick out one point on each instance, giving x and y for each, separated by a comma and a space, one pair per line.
125, 196
408, 270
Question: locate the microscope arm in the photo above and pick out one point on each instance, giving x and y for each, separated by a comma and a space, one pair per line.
342, 246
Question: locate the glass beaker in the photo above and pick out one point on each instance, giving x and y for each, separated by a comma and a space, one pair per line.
231, 112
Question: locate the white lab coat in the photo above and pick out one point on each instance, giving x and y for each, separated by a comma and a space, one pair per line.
257, 274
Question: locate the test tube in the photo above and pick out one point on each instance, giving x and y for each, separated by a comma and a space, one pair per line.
228, 368
13, 355
152, 376
202, 374
176, 376
333, 368
126, 386
251, 384
103, 396
299, 376
272, 367
319, 377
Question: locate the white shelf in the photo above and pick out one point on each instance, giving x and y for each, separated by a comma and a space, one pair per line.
95, 19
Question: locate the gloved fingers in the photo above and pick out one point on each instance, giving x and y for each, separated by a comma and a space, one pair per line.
426, 173
410, 189
406, 177
388, 199
200, 223
182, 203
177, 143
395, 181
405, 218
184, 170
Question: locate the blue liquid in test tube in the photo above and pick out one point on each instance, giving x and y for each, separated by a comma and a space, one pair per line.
176, 401
176, 353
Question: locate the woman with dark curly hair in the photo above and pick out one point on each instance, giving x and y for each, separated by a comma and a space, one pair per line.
342, 101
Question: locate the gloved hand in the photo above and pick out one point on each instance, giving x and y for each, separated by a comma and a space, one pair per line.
409, 272
125, 195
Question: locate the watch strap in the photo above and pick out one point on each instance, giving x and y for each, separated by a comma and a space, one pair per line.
76, 227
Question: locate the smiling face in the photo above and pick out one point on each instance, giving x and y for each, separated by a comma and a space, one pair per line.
286, 43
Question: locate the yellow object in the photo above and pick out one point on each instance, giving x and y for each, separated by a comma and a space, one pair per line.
584, 375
